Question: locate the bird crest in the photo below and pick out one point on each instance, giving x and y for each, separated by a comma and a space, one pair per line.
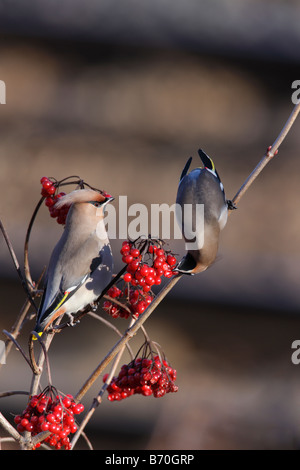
80, 195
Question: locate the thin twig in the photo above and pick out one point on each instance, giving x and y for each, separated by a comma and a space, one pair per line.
28, 278
110, 325
13, 392
98, 399
17, 265
18, 347
16, 328
271, 152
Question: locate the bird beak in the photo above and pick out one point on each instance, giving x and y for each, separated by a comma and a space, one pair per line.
109, 199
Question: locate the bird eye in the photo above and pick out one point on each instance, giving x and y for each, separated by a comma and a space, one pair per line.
95, 203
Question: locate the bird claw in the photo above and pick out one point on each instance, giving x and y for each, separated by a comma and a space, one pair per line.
94, 307
231, 205
72, 321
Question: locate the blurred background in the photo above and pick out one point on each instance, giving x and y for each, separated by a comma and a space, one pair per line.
121, 94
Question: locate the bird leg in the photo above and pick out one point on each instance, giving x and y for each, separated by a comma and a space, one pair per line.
72, 321
231, 205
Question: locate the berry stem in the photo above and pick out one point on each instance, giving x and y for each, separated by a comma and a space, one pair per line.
28, 278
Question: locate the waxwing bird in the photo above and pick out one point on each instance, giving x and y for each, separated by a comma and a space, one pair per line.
202, 186
81, 263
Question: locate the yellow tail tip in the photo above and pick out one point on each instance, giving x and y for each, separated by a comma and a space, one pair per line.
34, 338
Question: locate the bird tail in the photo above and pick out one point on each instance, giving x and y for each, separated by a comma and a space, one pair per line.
206, 160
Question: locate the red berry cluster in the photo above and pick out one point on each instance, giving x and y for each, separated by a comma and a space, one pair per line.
113, 309
48, 191
134, 301
147, 274
146, 265
50, 413
143, 376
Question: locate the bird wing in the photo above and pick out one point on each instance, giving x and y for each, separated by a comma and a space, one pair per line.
186, 168
68, 270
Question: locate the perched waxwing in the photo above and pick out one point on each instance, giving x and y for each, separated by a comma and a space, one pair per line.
81, 263
202, 186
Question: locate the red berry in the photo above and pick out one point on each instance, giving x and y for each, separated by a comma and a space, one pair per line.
29, 427
67, 402
125, 249
51, 417
53, 428
150, 280
24, 422
70, 420
135, 252
133, 265
62, 434
51, 190
166, 267
168, 273
61, 219
171, 260
20, 428
58, 409
127, 259
44, 192
127, 277
17, 419
73, 428
141, 306
47, 183
105, 377
77, 409
144, 270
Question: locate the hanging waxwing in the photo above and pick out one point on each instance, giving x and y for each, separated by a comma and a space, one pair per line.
203, 210
81, 263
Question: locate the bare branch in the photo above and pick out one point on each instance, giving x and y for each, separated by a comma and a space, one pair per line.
13, 392
271, 152
10, 429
